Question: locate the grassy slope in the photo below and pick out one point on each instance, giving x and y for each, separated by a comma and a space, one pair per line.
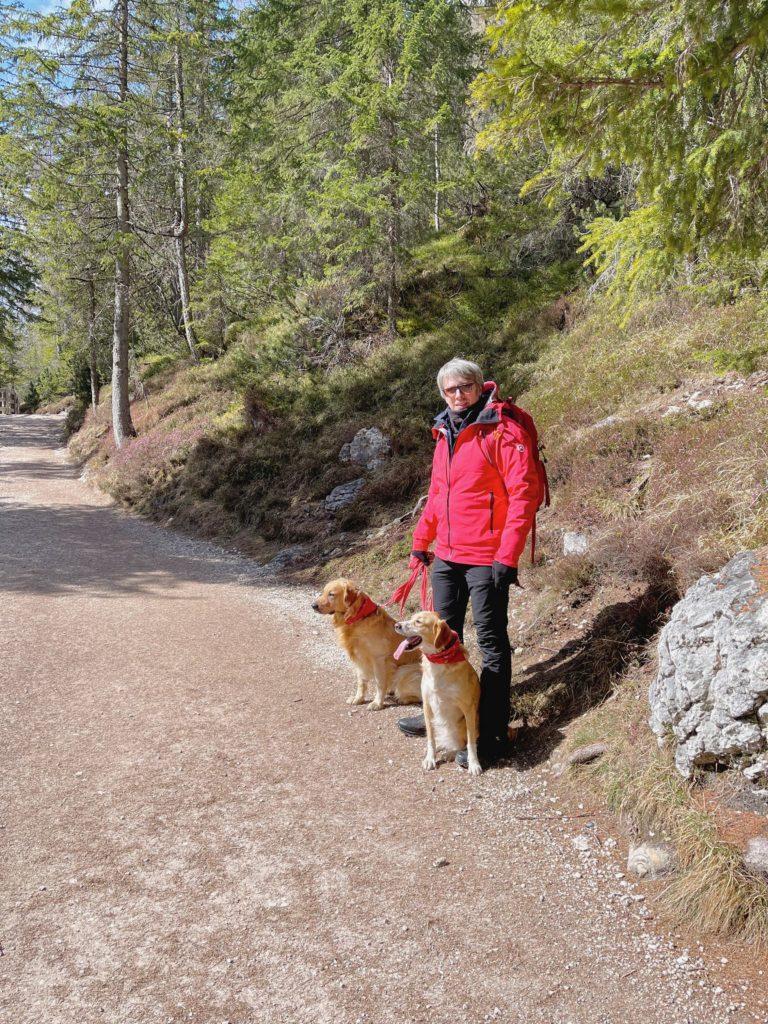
662, 497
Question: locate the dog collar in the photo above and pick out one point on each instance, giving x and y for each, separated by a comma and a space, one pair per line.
453, 652
368, 607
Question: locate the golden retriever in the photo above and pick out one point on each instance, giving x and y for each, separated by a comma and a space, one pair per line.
367, 634
450, 689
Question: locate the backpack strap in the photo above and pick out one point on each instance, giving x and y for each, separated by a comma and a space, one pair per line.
525, 421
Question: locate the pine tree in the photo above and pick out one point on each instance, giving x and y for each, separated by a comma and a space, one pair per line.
673, 92
335, 119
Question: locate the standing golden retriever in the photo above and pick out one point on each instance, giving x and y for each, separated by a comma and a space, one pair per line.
367, 634
450, 688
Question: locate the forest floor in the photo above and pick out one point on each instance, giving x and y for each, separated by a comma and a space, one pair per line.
197, 828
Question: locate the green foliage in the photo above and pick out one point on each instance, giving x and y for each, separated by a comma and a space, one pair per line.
674, 93
338, 122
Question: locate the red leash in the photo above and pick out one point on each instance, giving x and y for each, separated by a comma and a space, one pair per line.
400, 596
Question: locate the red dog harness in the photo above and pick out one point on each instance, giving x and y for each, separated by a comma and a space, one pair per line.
368, 607
453, 652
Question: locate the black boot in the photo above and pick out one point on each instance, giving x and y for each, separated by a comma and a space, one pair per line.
487, 753
415, 726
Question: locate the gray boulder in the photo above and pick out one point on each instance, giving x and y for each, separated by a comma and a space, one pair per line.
711, 687
287, 556
368, 448
344, 494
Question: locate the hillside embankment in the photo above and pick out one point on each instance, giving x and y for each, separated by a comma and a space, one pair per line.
655, 431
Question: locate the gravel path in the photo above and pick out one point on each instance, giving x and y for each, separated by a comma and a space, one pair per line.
196, 828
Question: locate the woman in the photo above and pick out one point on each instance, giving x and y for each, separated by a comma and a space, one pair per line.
483, 497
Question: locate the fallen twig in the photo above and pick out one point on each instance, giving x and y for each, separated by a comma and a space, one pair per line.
557, 817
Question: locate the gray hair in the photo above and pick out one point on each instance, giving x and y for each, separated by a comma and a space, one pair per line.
461, 368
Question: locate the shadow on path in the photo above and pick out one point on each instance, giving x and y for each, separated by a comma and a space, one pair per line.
40, 469
31, 432
70, 547
75, 548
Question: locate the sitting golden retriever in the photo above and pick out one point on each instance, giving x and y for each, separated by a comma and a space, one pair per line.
367, 634
450, 688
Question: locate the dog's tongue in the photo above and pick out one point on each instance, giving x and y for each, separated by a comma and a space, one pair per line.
402, 648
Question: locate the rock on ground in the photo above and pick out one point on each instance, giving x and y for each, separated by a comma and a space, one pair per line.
590, 752
369, 448
711, 689
756, 855
344, 494
575, 543
649, 860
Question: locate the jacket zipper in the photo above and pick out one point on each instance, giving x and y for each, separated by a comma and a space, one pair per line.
491, 509
448, 495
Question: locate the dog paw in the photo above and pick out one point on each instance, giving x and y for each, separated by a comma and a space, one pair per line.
375, 705
475, 769
429, 763
354, 699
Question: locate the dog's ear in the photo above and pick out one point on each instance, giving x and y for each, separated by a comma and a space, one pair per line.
351, 595
443, 634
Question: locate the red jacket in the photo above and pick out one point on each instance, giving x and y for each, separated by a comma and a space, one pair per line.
483, 498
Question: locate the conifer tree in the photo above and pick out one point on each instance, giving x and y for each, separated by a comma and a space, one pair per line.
674, 92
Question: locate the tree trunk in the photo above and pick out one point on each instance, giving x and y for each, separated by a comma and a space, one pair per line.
437, 179
392, 292
92, 353
393, 222
122, 426
181, 225
200, 241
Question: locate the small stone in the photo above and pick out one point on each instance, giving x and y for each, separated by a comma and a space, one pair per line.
590, 752
699, 405
575, 543
441, 862
756, 771
756, 855
607, 422
288, 556
649, 861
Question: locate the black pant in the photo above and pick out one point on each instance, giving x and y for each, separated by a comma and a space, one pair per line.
453, 586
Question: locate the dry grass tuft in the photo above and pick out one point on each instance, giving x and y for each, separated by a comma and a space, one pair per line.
711, 891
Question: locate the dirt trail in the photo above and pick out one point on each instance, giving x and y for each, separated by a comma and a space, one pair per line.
196, 828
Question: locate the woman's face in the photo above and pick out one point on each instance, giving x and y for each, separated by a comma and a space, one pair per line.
460, 394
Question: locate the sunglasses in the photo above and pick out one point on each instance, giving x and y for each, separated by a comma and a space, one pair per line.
461, 389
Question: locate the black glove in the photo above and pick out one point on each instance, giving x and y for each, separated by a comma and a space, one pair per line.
426, 557
505, 575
